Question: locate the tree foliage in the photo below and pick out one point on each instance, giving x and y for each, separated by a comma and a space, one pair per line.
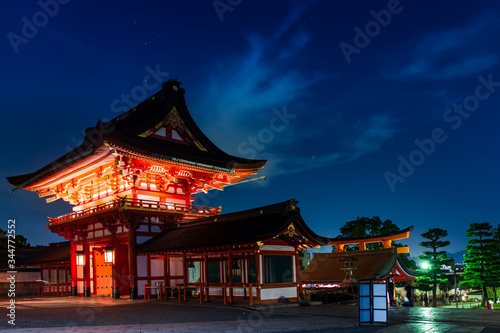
20, 242
364, 227
430, 278
481, 259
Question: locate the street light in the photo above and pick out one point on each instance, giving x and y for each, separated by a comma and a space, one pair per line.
424, 265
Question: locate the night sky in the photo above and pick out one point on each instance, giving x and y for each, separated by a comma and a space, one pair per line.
363, 108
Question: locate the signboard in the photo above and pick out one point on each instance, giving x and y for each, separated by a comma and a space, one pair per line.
373, 303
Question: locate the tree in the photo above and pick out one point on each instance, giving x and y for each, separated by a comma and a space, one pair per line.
435, 273
20, 242
480, 259
496, 267
365, 227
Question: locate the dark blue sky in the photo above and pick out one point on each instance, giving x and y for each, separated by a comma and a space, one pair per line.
363, 108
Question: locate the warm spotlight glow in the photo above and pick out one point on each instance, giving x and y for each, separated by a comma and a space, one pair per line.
108, 254
80, 258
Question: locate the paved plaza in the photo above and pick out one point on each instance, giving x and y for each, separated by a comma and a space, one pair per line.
102, 314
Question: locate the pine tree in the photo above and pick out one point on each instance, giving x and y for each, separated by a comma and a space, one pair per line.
496, 263
480, 259
435, 274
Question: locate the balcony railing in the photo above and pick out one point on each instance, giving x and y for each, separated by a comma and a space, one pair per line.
126, 203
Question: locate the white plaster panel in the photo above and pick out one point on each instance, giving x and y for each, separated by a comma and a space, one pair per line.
276, 248
53, 275
157, 267
62, 276
99, 233
142, 268
176, 266
140, 287
79, 272
276, 293
79, 287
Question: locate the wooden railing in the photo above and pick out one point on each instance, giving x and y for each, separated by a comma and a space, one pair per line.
137, 203
203, 292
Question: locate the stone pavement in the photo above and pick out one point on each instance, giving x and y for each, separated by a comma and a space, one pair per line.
39, 314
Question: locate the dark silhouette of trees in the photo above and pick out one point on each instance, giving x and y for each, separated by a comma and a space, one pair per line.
365, 227
20, 243
431, 277
481, 259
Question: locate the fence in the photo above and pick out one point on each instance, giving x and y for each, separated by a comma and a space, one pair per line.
203, 292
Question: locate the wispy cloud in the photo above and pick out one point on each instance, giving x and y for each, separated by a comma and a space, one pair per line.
450, 53
247, 86
345, 143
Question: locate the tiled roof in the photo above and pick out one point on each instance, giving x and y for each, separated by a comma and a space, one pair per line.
240, 228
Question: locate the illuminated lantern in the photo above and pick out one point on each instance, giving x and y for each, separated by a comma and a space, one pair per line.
80, 258
109, 255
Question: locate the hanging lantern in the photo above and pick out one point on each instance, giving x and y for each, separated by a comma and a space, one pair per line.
80, 258
190, 264
109, 255
236, 264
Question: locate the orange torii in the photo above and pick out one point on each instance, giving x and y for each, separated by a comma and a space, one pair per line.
385, 239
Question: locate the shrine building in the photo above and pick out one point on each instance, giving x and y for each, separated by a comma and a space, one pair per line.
131, 183
135, 176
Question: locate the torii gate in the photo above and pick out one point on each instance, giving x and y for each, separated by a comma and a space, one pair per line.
385, 239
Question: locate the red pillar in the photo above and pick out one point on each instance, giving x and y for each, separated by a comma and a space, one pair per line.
86, 269
257, 272
207, 290
66, 280
132, 261
115, 272
57, 280
74, 273
51, 291
297, 272
165, 275
185, 269
230, 257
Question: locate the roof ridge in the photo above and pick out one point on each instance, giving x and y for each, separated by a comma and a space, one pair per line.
284, 206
